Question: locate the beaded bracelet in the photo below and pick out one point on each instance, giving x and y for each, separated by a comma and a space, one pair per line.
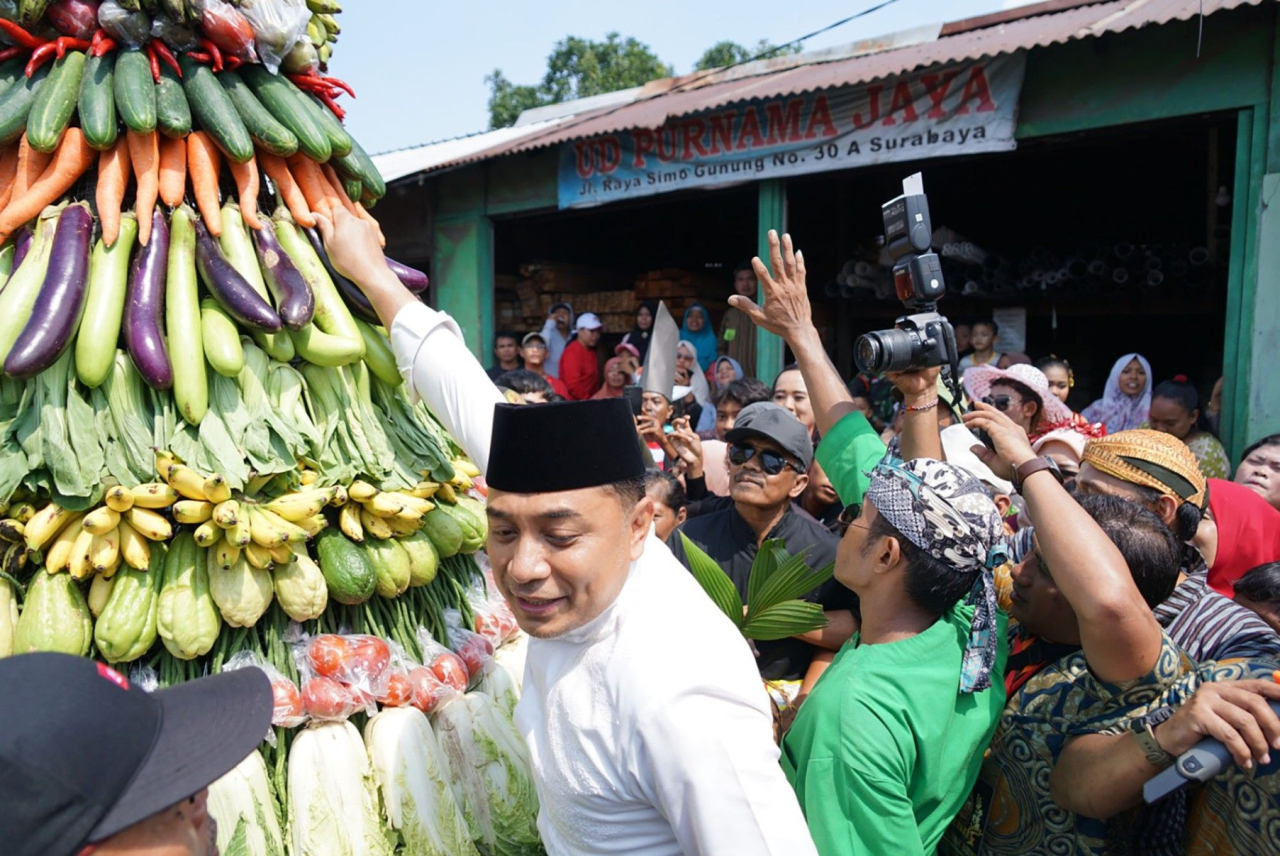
922, 407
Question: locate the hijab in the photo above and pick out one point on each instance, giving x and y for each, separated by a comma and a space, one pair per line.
738, 373
607, 391
638, 338
703, 341
698, 378
1118, 411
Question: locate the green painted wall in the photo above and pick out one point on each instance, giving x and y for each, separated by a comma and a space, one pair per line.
772, 214
463, 271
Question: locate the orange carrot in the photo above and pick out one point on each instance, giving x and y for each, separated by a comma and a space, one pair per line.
246, 176
8, 171
144, 152
71, 159
337, 190
278, 171
31, 165
315, 188
173, 170
113, 178
203, 162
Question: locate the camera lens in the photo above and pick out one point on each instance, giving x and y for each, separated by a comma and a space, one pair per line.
867, 351
886, 351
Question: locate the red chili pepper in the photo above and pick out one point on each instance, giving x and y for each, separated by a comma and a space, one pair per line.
66, 43
341, 84
10, 53
40, 56
155, 63
332, 105
21, 36
231, 62
166, 56
214, 54
97, 37
200, 57
105, 46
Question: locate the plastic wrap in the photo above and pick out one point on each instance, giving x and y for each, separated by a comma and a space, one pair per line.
178, 36
131, 29
278, 26
224, 25
75, 18
447, 666
473, 649
287, 710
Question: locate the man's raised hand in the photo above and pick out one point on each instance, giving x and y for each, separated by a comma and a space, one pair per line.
786, 310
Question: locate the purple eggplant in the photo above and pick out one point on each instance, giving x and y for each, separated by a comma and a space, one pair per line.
294, 300
144, 307
56, 313
231, 289
351, 293
21, 244
412, 278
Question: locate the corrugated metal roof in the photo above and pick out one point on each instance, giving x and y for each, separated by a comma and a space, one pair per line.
1053, 22
402, 162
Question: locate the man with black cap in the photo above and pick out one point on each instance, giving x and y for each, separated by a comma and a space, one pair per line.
91, 763
633, 750
769, 456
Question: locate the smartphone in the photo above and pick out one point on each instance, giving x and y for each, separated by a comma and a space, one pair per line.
634, 396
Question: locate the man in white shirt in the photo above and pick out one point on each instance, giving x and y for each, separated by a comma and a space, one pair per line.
557, 332
648, 726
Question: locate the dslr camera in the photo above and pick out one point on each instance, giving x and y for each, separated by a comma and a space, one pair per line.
925, 338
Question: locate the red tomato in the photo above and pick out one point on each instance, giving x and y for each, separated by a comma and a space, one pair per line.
325, 698
489, 626
370, 657
426, 689
474, 652
328, 654
286, 701
399, 690
451, 671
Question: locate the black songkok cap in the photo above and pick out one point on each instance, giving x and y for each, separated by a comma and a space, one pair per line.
546, 448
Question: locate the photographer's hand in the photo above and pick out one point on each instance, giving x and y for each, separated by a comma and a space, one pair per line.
1012, 448
920, 433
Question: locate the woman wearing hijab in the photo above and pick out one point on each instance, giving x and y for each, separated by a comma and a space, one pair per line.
725, 372
638, 338
1126, 401
615, 378
696, 329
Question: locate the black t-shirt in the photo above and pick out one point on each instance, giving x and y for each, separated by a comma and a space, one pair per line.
726, 538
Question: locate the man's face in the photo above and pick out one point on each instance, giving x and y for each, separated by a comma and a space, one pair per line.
1065, 457
820, 487
750, 485
695, 320
982, 338
506, 350
726, 415
1093, 481
854, 560
185, 829
1020, 410
560, 559
1260, 472
589, 338
964, 334
1038, 605
561, 314
656, 406
534, 353
744, 283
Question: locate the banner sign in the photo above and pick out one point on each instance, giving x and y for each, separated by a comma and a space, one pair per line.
937, 112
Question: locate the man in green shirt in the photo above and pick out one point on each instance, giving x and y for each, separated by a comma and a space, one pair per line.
888, 745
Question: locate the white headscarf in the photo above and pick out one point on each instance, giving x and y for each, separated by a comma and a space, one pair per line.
1118, 410
701, 389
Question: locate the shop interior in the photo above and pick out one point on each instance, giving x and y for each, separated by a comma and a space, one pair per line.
1112, 241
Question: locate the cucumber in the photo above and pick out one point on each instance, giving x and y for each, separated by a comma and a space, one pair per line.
173, 113
354, 188
10, 72
221, 339
277, 94
347, 569
212, 106
265, 130
135, 91
55, 102
359, 165
97, 105
339, 139
15, 105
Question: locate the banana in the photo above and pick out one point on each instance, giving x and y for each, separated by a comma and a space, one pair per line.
446, 494
79, 565
104, 552
187, 482
375, 526
294, 507
411, 516
47, 523
413, 503
134, 549
270, 529
403, 526
258, 556
217, 489
22, 512
192, 511
424, 490
361, 491
330, 7
150, 525
164, 461
119, 499
100, 521
308, 477
281, 555
12, 531
99, 593
314, 525
154, 495
349, 522
226, 554
207, 534
339, 496
460, 482
240, 535
227, 514
58, 557
385, 504
466, 467
330, 22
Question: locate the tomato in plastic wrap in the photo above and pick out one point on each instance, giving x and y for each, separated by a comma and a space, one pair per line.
426, 689
325, 698
399, 690
474, 651
451, 671
329, 655
286, 703
370, 656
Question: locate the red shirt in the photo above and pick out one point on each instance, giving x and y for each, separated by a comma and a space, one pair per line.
557, 386
580, 371
1248, 533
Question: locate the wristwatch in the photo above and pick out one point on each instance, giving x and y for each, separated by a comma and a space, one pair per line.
1151, 748
1032, 467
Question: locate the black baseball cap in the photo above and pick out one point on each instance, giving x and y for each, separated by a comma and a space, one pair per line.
85, 754
773, 422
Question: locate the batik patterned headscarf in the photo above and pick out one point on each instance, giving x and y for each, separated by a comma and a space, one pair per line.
946, 512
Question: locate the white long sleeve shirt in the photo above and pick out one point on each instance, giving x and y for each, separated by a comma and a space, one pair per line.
649, 729
556, 343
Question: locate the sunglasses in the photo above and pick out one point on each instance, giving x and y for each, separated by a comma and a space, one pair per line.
999, 402
771, 462
847, 517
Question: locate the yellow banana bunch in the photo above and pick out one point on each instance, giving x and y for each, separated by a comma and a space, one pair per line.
135, 550
153, 495
44, 524
299, 505
119, 499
